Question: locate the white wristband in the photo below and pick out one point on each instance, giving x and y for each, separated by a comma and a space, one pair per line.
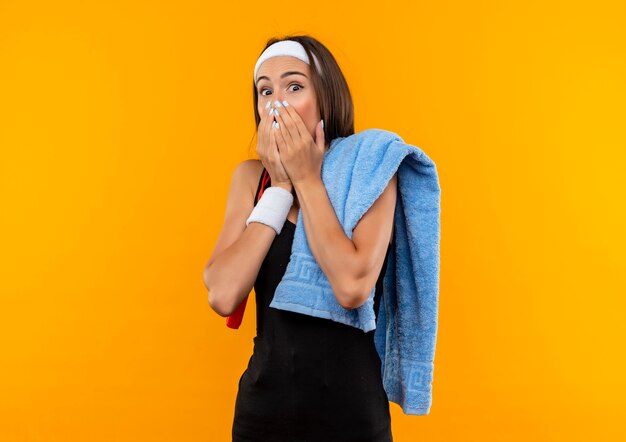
272, 208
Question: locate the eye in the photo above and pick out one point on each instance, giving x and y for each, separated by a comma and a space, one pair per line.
292, 84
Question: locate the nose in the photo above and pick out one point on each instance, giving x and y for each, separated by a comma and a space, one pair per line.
271, 101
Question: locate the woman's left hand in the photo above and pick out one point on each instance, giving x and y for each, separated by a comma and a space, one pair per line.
300, 154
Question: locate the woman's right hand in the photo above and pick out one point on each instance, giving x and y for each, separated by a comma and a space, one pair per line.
267, 149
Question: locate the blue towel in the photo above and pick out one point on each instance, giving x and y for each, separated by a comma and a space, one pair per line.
355, 171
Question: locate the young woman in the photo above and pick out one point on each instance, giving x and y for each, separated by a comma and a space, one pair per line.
309, 378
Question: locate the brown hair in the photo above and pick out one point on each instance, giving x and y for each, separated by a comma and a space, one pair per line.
333, 94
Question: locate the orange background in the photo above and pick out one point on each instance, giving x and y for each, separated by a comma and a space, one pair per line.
121, 123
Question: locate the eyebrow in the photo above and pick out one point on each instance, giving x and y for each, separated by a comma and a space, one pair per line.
285, 74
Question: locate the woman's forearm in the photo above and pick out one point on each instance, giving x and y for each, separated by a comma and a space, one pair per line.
231, 275
334, 252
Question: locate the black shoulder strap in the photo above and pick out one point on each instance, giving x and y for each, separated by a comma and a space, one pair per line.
264, 182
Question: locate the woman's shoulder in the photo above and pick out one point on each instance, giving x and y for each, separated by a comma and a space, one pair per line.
255, 169
252, 166
251, 170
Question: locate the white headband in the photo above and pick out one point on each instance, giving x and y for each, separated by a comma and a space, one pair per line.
285, 47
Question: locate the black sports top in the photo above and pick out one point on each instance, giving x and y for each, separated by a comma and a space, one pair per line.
309, 379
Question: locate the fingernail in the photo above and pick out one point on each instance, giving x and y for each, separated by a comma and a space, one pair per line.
276, 111
322, 124
277, 126
273, 124
285, 103
271, 111
277, 103
268, 105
